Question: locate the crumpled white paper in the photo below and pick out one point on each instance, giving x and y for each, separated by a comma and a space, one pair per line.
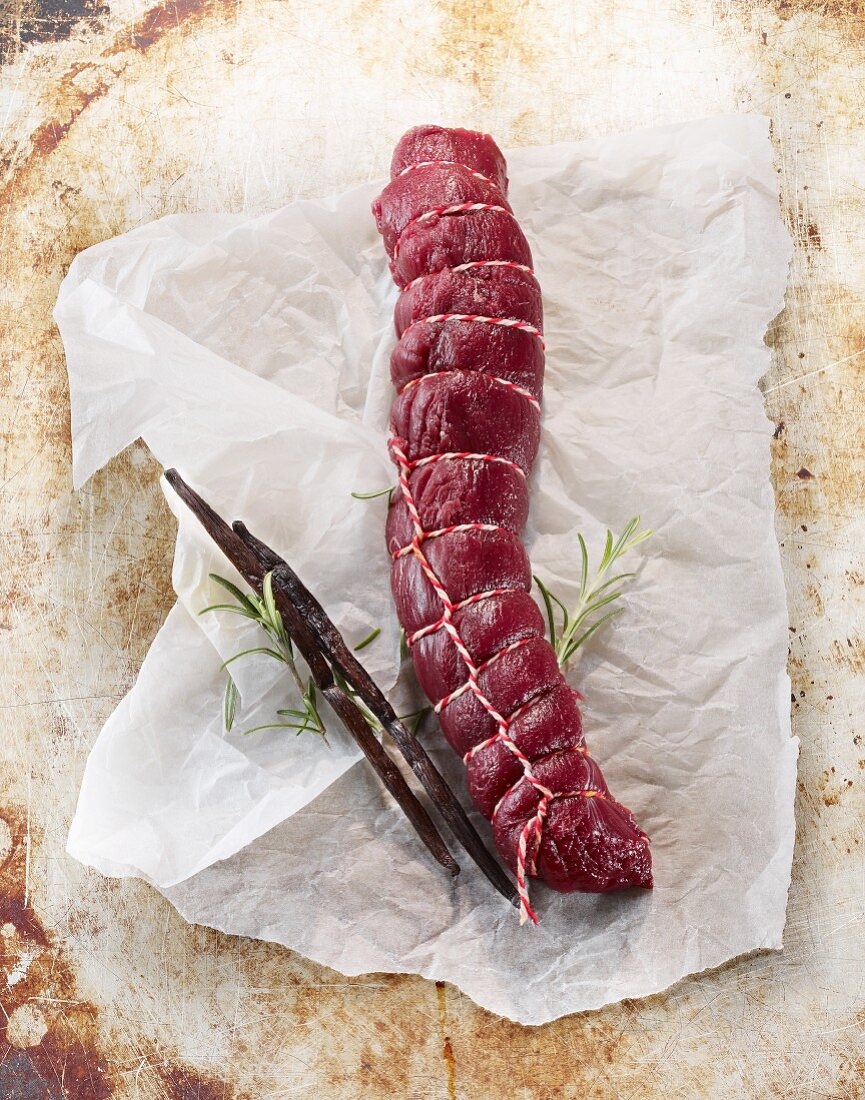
252, 354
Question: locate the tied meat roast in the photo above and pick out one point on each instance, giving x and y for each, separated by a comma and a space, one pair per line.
468, 370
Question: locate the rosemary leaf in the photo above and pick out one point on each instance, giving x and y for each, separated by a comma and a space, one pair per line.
596, 592
273, 615
241, 597
607, 556
229, 704
388, 492
575, 645
419, 717
229, 607
371, 637
613, 580
546, 595
584, 555
566, 618
257, 649
590, 609
277, 726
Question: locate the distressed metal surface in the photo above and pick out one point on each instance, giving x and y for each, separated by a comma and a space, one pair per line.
118, 112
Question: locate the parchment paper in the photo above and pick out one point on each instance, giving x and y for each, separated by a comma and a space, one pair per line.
252, 354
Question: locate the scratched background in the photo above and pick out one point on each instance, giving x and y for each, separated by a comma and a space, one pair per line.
116, 113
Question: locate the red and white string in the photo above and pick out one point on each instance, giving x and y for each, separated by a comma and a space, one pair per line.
449, 210
510, 264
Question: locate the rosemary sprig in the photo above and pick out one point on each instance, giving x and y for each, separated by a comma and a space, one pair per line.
263, 610
595, 594
416, 716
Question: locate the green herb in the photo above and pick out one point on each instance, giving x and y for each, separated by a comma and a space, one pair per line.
375, 493
371, 637
229, 703
263, 610
416, 718
573, 629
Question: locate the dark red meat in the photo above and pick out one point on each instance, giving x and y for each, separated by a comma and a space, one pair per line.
485, 290
466, 147
507, 353
442, 242
465, 432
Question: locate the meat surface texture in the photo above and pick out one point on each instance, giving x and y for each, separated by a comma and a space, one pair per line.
468, 370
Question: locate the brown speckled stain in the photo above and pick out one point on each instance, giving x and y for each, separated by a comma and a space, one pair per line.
836, 10
447, 1045
187, 1084
818, 475
525, 127
479, 42
169, 17
843, 18
52, 1040
71, 98
23, 22
849, 652
49, 1043
804, 229
478, 45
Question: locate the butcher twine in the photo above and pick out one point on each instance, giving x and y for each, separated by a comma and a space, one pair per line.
468, 266
505, 322
527, 394
446, 211
478, 597
449, 164
526, 863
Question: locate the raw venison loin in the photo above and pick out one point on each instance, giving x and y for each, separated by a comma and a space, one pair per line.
468, 370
